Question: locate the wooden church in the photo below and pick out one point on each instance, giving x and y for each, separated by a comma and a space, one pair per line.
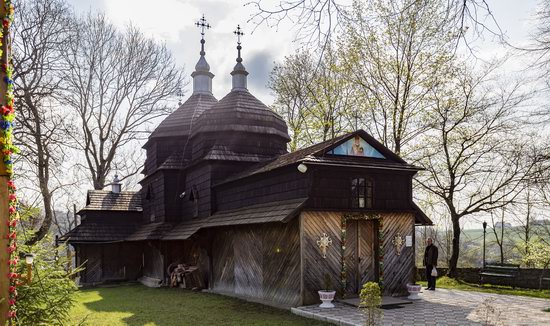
222, 197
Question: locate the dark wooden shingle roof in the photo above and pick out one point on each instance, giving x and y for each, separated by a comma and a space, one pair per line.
281, 211
315, 154
104, 200
175, 161
99, 232
150, 231
240, 111
179, 122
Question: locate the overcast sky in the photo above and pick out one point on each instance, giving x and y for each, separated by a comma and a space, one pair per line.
172, 21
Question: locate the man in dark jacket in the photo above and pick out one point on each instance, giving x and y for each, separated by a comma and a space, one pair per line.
430, 261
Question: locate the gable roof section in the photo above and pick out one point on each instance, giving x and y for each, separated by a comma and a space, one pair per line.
105, 200
319, 154
99, 232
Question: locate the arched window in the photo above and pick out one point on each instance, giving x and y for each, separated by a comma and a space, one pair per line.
361, 192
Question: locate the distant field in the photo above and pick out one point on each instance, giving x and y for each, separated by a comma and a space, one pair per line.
472, 245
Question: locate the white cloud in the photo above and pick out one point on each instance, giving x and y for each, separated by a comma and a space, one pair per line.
162, 19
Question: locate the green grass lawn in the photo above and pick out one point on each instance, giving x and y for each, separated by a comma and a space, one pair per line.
139, 305
445, 282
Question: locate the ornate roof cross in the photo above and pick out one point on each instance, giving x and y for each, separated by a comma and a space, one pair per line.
203, 25
239, 33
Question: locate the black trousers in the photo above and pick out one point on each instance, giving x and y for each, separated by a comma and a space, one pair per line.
429, 277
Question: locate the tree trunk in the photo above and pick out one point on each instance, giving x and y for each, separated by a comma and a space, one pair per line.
453, 262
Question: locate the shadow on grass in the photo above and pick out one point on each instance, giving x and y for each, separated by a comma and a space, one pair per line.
139, 305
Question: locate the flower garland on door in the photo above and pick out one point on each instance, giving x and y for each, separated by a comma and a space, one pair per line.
7, 148
343, 242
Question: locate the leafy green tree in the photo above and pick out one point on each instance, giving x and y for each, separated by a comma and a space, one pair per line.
538, 256
314, 96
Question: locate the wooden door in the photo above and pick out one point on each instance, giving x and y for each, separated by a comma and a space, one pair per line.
359, 254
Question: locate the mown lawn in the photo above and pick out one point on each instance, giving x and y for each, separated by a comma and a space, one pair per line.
445, 282
139, 305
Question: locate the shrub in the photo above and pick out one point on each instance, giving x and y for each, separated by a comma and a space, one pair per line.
371, 300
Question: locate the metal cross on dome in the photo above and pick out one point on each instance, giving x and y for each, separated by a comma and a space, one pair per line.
202, 24
239, 33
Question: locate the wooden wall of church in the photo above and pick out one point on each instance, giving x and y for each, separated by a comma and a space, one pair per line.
331, 188
90, 258
198, 176
280, 185
174, 186
152, 198
153, 260
108, 262
314, 266
398, 269
259, 262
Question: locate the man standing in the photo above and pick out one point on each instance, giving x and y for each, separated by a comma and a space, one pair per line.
430, 261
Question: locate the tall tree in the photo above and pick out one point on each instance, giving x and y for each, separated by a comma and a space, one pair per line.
42, 30
474, 161
396, 52
116, 83
287, 82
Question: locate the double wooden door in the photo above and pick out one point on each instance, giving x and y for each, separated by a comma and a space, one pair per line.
359, 254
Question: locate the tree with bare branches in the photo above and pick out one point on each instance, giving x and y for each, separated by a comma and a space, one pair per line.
116, 83
42, 29
318, 21
473, 158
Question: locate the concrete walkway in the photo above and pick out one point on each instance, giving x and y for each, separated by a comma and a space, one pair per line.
445, 307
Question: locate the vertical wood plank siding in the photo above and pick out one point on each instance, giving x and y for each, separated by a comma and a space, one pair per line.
361, 243
260, 262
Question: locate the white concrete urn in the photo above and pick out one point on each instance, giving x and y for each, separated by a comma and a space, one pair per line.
326, 297
413, 289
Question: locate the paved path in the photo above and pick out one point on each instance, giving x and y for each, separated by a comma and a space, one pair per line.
446, 307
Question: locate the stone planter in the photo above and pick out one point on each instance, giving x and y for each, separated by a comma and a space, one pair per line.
326, 297
413, 289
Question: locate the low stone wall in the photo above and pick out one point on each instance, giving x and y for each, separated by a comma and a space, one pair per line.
528, 277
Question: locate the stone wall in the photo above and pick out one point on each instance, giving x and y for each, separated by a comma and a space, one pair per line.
528, 277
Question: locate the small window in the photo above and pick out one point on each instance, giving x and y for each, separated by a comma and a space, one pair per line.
194, 197
361, 193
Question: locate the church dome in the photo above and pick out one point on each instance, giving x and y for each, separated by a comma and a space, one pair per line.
179, 122
241, 111
241, 123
